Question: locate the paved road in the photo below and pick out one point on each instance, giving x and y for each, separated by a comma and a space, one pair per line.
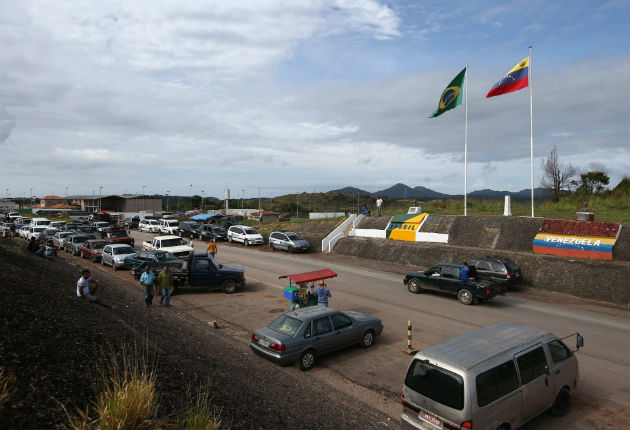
603, 397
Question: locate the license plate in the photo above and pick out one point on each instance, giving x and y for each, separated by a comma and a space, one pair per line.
264, 342
430, 418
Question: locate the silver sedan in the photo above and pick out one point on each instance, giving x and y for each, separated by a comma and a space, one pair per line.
305, 334
114, 255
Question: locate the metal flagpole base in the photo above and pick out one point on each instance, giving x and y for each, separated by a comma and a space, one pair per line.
410, 351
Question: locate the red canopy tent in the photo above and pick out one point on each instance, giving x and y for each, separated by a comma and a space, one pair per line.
303, 278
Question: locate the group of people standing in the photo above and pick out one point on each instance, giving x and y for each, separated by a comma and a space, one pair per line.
163, 283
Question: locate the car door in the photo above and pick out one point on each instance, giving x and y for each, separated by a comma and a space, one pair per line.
538, 390
323, 337
107, 255
564, 367
204, 273
344, 330
432, 277
450, 280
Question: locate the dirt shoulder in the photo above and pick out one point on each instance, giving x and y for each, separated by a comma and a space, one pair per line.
52, 343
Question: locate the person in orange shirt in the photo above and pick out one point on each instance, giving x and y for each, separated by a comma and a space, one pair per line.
212, 247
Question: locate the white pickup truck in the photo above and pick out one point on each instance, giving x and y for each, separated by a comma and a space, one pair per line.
173, 244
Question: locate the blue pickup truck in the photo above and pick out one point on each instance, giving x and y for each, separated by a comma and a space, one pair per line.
204, 272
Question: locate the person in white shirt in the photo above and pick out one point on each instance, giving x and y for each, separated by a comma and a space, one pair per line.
379, 203
86, 287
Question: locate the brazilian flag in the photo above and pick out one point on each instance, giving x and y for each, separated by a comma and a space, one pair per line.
452, 95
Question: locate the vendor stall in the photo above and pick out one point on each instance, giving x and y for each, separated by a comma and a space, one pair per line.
299, 292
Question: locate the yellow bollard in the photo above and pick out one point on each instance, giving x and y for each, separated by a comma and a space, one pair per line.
409, 350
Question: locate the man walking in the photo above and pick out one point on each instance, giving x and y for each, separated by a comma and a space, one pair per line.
165, 281
147, 279
322, 294
86, 287
212, 247
379, 203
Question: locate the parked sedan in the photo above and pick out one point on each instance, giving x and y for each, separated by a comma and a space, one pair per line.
59, 238
35, 232
74, 241
288, 241
115, 254
23, 231
305, 334
152, 257
102, 226
92, 249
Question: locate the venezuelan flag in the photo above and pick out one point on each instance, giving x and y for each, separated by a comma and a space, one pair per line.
514, 80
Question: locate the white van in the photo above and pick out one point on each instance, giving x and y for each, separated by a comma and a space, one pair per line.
40, 222
496, 377
169, 226
244, 234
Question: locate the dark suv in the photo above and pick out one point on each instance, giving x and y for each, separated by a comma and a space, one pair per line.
495, 269
189, 229
212, 231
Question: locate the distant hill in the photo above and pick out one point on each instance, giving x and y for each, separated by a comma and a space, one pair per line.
538, 192
403, 191
400, 191
352, 190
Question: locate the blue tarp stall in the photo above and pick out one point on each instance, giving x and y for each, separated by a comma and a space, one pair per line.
203, 217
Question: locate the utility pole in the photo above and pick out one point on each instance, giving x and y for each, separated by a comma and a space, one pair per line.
31, 196
67, 195
297, 205
167, 191
202, 196
100, 195
242, 198
190, 196
143, 208
259, 208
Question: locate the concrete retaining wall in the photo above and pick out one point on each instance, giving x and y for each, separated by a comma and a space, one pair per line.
597, 280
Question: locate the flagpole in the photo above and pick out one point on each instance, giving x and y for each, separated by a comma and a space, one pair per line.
531, 129
466, 144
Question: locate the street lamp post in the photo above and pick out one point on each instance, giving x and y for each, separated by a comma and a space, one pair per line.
31, 196
297, 206
202, 198
167, 191
67, 195
143, 208
242, 198
100, 194
190, 196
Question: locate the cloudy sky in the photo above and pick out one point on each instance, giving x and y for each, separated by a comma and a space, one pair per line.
303, 96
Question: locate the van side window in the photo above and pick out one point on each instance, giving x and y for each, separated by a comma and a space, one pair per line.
532, 365
559, 351
496, 383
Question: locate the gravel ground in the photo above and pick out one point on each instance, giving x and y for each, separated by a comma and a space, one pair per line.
53, 343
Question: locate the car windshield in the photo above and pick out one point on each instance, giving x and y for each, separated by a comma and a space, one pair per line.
65, 233
123, 250
163, 256
121, 233
294, 236
172, 222
80, 239
250, 231
153, 222
39, 229
217, 229
437, 384
101, 224
43, 222
98, 245
286, 325
167, 243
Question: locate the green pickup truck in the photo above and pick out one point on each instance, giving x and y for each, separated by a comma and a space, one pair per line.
445, 278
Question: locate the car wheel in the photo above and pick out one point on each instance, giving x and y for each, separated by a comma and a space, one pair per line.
290, 249
273, 248
82, 255
230, 239
246, 242
307, 360
103, 262
114, 265
562, 404
465, 297
414, 286
367, 339
229, 286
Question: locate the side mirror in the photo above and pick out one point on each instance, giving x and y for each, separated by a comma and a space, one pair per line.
579, 343
220, 266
